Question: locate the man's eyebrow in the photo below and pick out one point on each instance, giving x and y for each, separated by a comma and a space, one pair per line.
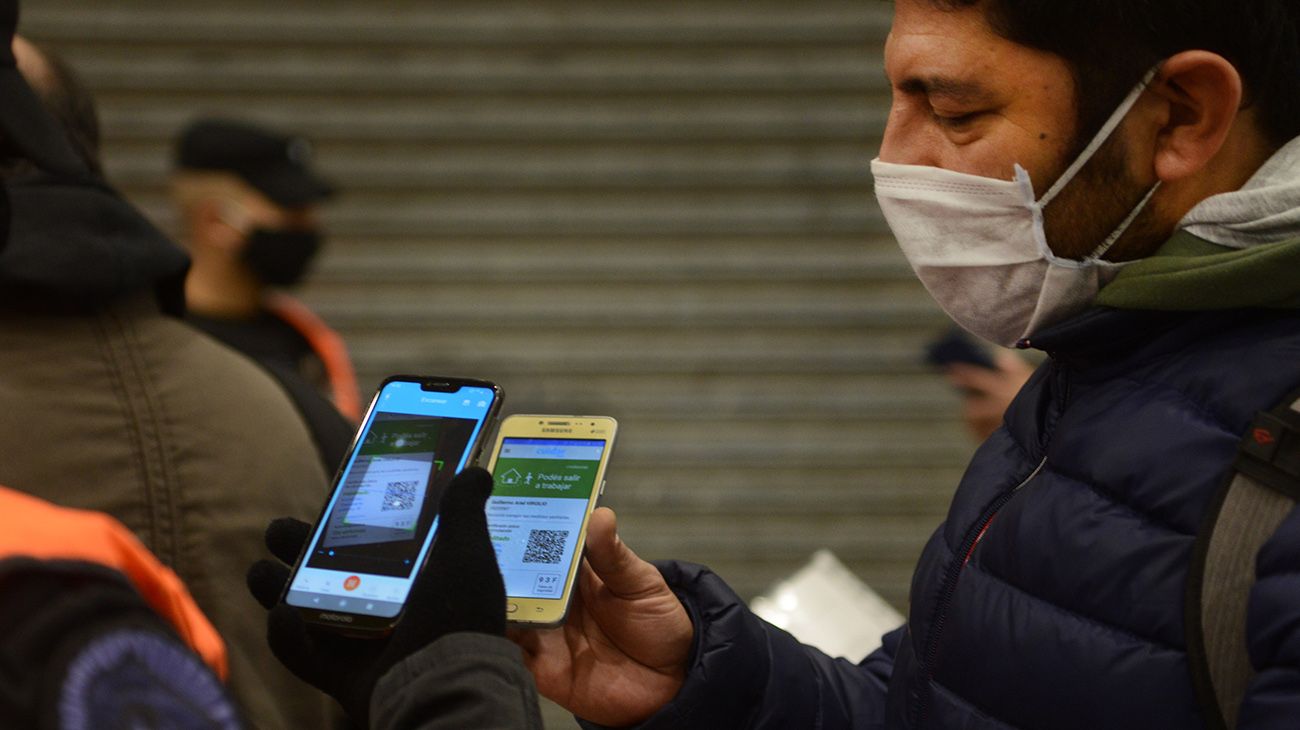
954, 89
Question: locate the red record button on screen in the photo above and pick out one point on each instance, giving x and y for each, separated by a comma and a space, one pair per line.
351, 583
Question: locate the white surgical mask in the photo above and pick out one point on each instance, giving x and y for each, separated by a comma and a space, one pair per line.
978, 245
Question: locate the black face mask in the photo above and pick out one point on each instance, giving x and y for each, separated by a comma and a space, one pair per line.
279, 257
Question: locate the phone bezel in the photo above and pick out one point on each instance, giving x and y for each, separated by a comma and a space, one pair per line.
551, 612
365, 625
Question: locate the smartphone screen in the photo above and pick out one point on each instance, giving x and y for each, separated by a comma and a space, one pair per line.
538, 508
380, 520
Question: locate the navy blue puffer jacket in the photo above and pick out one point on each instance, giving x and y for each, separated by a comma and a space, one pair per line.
1052, 597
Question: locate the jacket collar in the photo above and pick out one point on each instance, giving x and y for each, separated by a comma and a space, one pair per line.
1101, 330
1103, 339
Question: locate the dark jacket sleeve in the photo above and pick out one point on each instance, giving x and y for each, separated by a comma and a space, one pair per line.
463, 680
746, 673
1272, 700
81, 642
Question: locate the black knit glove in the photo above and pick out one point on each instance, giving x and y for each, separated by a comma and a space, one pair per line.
460, 589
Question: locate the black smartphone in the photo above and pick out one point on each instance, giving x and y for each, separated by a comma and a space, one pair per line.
957, 347
373, 535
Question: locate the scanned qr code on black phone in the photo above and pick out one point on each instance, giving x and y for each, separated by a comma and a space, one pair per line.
399, 495
545, 546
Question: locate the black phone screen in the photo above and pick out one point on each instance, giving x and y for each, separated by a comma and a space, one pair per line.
382, 514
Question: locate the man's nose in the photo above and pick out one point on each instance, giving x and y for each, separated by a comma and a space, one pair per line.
901, 143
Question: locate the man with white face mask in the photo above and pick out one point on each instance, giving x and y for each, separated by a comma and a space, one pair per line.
1116, 183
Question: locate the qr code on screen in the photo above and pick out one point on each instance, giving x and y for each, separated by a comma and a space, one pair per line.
545, 546
399, 495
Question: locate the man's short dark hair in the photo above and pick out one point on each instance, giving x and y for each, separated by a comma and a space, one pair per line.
71, 104
1110, 44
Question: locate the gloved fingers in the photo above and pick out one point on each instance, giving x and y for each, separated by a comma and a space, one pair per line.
293, 644
342, 667
266, 580
466, 495
461, 587
462, 548
285, 537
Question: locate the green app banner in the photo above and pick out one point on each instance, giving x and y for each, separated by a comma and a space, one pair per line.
545, 478
406, 436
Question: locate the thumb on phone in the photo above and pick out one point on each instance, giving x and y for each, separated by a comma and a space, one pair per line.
461, 589
461, 516
622, 572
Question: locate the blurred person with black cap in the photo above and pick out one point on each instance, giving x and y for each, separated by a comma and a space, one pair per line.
110, 402
248, 199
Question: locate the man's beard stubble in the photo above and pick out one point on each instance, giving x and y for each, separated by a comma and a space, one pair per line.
1096, 202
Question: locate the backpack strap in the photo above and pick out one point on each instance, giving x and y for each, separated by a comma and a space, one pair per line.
1262, 491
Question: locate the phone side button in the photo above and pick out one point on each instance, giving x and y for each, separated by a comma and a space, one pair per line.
601, 493
512, 607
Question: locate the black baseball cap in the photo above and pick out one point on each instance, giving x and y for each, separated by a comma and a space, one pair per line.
276, 165
23, 118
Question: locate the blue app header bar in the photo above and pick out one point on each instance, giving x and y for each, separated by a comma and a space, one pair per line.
552, 442
570, 449
471, 403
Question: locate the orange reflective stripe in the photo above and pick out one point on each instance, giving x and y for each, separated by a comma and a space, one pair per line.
35, 528
327, 345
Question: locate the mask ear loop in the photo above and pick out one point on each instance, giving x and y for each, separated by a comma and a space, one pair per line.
234, 215
1103, 134
1100, 138
1123, 227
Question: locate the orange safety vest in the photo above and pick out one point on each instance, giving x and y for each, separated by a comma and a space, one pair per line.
32, 527
327, 345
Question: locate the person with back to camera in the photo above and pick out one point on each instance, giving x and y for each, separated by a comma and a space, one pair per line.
108, 401
1118, 185
249, 204
100, 634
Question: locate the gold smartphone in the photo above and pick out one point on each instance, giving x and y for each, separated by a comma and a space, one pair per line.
548, 472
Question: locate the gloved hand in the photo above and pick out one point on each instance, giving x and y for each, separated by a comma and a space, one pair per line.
460, 589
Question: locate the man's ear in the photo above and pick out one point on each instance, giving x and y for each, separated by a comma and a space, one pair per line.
1201, 94
213, 227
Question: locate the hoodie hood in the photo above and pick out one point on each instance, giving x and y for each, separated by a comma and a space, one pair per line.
1265, 210
81, 244
1190, 274
1233, 250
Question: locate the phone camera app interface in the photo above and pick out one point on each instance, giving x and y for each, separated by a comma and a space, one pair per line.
390, 494
543, 487
375, 531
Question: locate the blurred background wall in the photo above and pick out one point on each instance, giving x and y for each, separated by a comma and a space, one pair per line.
655, 210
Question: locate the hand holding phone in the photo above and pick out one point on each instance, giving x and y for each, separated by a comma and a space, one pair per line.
347, 668
987, 393
624, 651
958, 348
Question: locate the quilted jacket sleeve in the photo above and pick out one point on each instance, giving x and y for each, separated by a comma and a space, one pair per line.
746, 673
1273, 634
